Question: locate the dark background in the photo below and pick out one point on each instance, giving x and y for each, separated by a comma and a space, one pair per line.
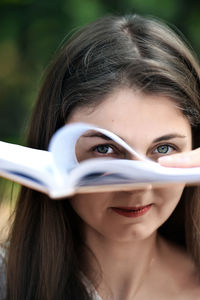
32, 30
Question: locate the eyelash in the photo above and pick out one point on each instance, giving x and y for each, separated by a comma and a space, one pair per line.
116, 151
173, 148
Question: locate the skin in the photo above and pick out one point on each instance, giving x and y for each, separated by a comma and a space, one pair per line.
138, 263
182, 160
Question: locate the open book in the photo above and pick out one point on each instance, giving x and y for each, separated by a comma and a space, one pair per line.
83, 158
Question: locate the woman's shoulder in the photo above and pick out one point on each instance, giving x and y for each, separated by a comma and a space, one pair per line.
90, 287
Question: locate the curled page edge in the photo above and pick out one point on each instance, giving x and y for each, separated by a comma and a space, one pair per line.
63, 142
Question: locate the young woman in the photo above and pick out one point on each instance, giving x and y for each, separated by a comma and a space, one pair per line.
134, 76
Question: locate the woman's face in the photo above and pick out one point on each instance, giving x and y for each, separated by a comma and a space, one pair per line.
153, 126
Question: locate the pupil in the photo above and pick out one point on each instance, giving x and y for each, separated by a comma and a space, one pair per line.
102, 149
163, 149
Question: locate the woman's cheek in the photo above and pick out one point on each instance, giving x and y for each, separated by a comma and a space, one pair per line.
167, 198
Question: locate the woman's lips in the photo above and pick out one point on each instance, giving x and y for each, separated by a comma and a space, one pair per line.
132, 212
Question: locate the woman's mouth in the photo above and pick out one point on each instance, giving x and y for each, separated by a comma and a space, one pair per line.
132, 212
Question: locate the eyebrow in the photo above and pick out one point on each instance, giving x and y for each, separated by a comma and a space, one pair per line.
169, 137
97, 134
165, 137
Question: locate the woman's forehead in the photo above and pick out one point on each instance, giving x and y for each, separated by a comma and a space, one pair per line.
140, 120
126, 111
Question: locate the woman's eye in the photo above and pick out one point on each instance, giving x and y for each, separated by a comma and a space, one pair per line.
104, 149
108, 150
164, 149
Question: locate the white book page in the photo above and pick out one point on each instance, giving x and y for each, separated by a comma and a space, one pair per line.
113, 175
102, 171
18, 161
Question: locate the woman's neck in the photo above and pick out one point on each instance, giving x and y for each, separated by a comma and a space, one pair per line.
123, 265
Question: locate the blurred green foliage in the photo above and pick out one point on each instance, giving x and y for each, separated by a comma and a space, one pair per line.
31, 31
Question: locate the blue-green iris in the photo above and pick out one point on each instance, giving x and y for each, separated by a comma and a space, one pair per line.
163, 149
103, 149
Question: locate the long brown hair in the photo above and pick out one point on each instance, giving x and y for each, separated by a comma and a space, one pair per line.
46, 246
